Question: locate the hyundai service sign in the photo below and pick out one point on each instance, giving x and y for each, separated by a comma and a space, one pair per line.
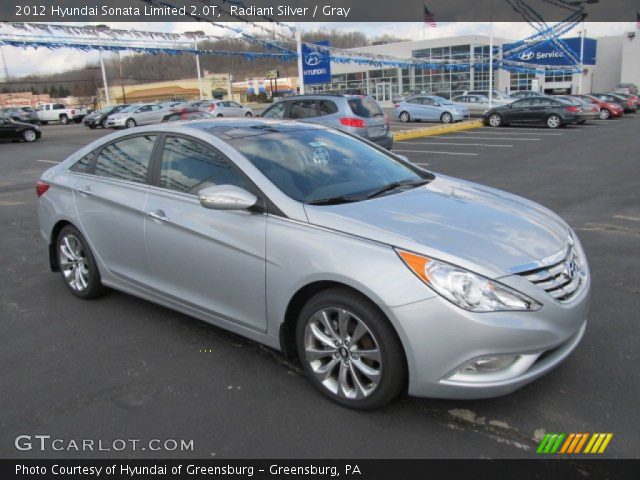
548, 53
316, 64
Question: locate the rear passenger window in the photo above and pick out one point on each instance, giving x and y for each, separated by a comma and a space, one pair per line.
84, 164
127, 159
189, 166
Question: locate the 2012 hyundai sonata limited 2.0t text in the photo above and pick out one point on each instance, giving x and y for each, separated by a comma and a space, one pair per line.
380, 276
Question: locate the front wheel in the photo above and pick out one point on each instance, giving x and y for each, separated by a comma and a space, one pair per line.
130, 123
446, 117
349, 350
29, 135
248, 114
554, 121
605, 114
77, 265
405, 117
495, 120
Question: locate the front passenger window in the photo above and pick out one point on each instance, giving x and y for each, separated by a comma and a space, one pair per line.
189, 166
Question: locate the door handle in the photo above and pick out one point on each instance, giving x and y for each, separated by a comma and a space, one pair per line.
158, 215
85, 189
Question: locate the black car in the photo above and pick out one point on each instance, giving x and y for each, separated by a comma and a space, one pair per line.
12, 130
540, 110
628, 105
99, 117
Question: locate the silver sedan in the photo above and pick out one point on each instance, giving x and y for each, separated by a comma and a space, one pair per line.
378, 275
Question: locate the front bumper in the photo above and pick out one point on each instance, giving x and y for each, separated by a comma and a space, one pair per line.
116, 123
89, 122
440, 338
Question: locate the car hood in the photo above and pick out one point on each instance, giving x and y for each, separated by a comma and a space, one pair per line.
480, 228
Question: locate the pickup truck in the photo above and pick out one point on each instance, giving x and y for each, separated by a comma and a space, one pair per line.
57, 112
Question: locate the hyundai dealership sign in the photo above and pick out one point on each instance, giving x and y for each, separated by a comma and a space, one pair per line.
316, 64
548, 53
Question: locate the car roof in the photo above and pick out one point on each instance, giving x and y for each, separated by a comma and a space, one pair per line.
230, 129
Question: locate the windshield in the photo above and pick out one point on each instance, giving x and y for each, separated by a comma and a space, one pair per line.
312, 165
130, 108
442, 100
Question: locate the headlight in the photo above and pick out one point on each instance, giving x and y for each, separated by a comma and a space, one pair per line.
466, 289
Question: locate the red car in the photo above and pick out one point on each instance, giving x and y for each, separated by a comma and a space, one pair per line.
607, 109
185, 114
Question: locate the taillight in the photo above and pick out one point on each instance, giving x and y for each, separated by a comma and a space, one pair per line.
41, 187
573, 109
352, 122
73, 112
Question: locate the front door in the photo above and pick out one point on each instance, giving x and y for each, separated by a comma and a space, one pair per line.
211, 260
383, 92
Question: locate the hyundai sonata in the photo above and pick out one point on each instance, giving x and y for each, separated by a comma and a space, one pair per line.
378, 275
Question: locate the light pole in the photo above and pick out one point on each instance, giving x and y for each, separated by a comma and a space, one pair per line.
196, 33
300, 63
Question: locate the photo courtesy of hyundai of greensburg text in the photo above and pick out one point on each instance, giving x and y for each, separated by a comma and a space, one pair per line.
308, 239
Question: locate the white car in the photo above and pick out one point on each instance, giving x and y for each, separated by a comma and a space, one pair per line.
225, 108
58, 112
134, 115
477, 104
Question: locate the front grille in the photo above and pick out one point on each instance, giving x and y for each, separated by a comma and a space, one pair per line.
562, 279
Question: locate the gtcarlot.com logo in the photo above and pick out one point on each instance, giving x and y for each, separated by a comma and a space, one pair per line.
574, 443
45, 443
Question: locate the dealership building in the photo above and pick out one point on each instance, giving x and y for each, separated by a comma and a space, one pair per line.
607, 61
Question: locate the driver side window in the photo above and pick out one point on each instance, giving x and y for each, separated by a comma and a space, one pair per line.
277, 111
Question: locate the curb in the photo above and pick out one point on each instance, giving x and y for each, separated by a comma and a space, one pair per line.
436, 130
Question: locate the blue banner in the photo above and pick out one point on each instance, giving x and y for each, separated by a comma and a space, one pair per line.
547, 53
316, 64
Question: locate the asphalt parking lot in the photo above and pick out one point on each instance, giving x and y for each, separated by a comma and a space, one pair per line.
120, 367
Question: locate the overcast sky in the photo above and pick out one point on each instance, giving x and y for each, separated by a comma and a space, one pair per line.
26, 61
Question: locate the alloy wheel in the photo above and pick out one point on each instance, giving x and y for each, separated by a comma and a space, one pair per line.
404, 117
604, 114
446, 117
342, 353
495, 120
131, 123
73, 263
553, 121
29, 135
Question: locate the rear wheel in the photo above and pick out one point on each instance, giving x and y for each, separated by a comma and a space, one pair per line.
93, 127
248, 114
446, 117
554, 121
29, 135
64, 119
605, 114
77, 265
349, 350
495, 120
219, 115
405, 117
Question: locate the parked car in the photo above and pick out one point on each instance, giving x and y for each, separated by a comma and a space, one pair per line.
630, 97
430, 108
136, 115
476, 104
57, 112
496, 95
627, 104
525, 94
12, 130
607, 109
380, 276
21, 114
99, 117
185, 114
540, 110
589, 110
225, 108
357, 114
628, 88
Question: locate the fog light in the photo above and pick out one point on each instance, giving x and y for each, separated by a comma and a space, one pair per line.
488, 365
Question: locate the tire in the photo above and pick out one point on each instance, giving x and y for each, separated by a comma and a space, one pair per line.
446, 117
405, 117
74, 256
130, 123
219, 115
495, 120
77, 120
370, 380
103, 124
93, 127
248, 114
43, 122
29, 135
553, 121
64, 119
605, 114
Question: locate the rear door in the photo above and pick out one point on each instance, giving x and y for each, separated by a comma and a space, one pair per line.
211, 260
110, 199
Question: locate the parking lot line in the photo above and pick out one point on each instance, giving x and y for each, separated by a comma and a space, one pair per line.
501, 132
433, 151
510, 139
463, 144
46, 161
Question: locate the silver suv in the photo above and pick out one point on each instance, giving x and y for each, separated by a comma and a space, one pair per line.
357, 114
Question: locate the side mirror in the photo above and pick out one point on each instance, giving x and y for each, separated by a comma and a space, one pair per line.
437, 104
226, 197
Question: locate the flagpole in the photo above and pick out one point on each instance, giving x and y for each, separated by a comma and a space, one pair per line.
491, 54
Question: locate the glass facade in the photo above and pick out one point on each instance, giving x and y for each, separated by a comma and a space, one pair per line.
520, 81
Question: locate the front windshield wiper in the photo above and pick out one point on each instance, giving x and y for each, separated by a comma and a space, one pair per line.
336, 200
409, 182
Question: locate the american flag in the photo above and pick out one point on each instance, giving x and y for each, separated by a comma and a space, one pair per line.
429, 18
